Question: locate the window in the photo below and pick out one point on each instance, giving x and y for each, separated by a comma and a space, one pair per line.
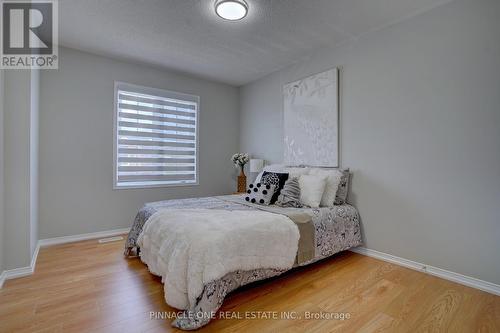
155, 137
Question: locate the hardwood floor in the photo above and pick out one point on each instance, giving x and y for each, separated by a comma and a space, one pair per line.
91, 287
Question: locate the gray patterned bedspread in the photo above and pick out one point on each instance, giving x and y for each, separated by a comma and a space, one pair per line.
336, 229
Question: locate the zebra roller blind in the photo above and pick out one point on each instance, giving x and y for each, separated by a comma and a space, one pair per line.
155, 137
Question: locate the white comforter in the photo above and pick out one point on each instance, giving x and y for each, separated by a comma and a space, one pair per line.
191, 247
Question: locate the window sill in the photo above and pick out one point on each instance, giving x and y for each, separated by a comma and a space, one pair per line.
146, 186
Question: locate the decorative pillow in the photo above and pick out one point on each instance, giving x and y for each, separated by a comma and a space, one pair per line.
276, 179
279, 168
290, 194
332, 184
341, 197
311, 189
259, 193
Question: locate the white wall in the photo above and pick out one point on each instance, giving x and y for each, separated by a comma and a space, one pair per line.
17, 169
76, 143
2, 214
420, 130
34, 157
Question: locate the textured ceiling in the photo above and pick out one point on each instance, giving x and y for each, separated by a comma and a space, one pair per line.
186, 35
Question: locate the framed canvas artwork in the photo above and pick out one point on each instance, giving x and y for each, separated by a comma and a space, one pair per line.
311, 120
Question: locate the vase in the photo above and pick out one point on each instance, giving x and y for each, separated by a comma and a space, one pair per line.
242, 180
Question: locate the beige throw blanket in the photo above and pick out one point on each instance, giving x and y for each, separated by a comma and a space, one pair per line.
303, 220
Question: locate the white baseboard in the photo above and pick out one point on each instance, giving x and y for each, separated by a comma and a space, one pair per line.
29, 270
442, 273
77, 238
35, 257
22, 271
439, 272
17, 272
2, 279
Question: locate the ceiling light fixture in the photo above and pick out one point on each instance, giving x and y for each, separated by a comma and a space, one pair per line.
231, 10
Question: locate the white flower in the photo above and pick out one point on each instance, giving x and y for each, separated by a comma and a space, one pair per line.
240, 159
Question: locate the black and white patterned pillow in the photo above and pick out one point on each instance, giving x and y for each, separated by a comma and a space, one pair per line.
259, 193
276, 179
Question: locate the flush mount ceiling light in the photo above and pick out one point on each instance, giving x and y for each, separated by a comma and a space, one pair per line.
231, 10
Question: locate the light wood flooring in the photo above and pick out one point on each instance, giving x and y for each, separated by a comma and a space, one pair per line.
91, 287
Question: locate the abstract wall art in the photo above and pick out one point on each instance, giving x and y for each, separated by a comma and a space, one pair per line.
311, 120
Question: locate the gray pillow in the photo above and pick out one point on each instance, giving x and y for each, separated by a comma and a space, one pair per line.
341, 196
290, 194
259, 193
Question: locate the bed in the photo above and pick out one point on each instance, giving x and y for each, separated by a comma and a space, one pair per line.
322, 232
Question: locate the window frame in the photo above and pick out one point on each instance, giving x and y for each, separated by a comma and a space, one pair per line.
160, 93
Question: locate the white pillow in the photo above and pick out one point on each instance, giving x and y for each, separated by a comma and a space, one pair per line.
311, 189
332, 184
295, 172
